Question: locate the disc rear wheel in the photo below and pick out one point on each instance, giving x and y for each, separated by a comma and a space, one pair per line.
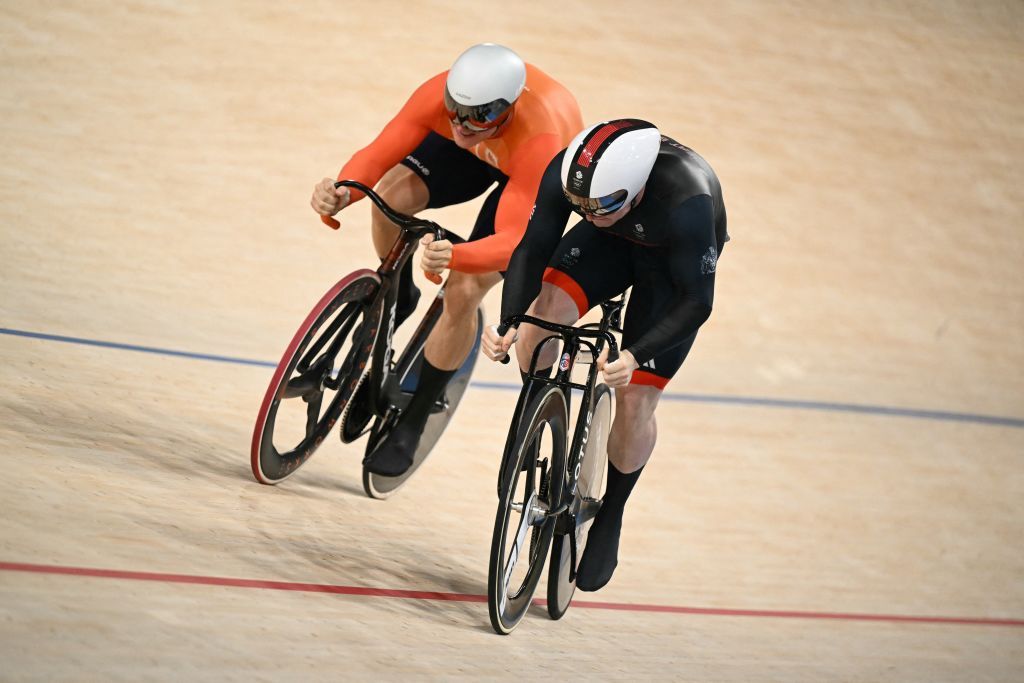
378, 486
585, 503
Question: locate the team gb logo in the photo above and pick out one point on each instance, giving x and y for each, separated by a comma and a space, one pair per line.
709, 261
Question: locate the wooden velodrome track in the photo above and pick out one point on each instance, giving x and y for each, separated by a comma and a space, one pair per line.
836, 492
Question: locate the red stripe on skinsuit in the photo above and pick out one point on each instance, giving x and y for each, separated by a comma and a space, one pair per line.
570, 287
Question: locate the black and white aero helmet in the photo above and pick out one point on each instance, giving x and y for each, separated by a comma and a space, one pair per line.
607, 164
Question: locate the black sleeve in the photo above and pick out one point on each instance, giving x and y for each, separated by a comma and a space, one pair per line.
543, 233
692, 262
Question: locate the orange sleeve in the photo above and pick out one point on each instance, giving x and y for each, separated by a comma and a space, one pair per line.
492, 253
399, 137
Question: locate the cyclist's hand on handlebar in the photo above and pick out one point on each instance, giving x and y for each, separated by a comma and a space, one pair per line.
496, 346
328, 200
619, 372
436, 254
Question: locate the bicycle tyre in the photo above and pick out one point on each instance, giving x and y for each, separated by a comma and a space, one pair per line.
351, 296
535, 459
593, 466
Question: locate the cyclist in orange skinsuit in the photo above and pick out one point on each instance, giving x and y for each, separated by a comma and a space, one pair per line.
491, 118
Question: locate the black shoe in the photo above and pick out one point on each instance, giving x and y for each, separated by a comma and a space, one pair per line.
601, 555
393, 457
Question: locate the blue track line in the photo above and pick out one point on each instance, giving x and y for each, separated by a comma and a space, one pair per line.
887, 411
135, 347
791, 404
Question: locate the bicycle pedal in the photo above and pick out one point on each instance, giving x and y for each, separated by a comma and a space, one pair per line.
565, 524
589, 508
440, 405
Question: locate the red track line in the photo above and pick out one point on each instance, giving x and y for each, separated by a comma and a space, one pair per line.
466, 597
241, 583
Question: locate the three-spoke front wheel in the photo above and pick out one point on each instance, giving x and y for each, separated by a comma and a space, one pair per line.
523, 526
317, 375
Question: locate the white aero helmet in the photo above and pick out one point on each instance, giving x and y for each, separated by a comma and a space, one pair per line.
483, 84
607, 164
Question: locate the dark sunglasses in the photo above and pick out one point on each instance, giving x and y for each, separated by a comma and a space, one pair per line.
477, 118
597, 206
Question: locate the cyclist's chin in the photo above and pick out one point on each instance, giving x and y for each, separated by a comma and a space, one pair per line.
611, 219
466, 140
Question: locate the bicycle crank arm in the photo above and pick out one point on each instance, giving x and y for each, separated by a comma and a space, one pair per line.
308, 383
588, 510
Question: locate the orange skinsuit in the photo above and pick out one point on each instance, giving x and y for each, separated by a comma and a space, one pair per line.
545, 119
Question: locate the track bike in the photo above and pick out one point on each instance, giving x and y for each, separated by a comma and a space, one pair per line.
341, 366
549, 489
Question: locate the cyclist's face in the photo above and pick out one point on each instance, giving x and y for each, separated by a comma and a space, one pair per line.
611, 219
466, 138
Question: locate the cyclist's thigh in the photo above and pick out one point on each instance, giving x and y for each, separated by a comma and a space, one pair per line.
468, 289
452, 175
590, 266
555, 304
652, 294
404, 190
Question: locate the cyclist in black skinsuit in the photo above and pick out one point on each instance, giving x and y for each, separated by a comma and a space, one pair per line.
654, 219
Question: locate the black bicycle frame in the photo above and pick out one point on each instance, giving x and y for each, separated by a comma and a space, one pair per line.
573, 339
384, 387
